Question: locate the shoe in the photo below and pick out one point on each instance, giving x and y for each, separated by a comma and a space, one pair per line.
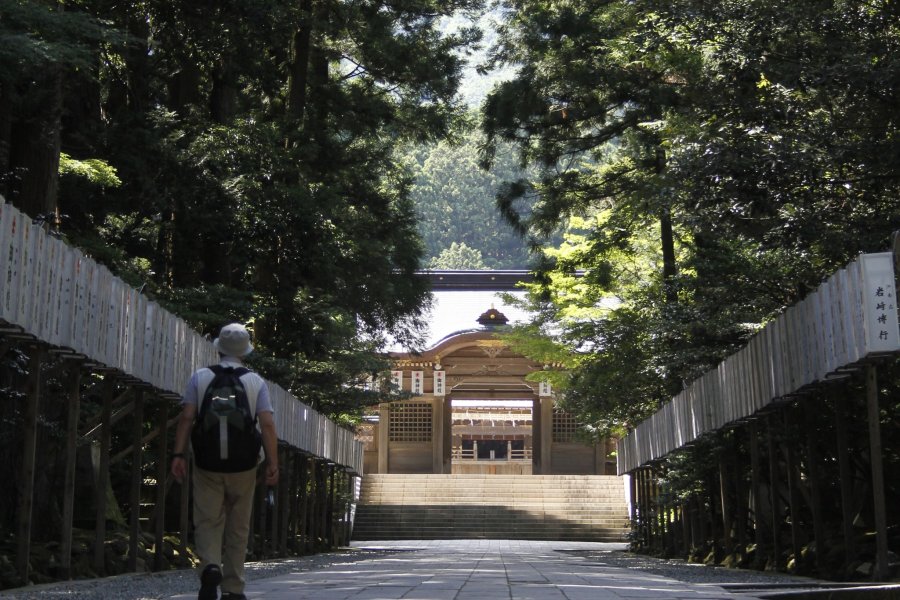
209, 583
233, 596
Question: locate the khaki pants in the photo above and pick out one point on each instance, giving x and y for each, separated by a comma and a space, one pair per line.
222, 506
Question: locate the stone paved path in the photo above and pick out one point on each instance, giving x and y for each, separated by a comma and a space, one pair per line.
476, 570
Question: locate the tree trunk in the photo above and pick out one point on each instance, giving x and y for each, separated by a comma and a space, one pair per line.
34, 149
667, 236
5, 139
298, 69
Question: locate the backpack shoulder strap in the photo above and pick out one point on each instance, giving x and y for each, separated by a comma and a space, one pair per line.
252, 385
204, 378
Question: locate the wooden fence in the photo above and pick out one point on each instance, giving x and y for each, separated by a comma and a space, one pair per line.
55, 294
777, 417
849, 319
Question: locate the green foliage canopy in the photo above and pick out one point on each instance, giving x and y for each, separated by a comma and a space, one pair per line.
762, 131
254, 143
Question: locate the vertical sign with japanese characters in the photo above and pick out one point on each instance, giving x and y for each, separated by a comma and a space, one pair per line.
544, 389
418, 383
440, 378
879, 297
397, 380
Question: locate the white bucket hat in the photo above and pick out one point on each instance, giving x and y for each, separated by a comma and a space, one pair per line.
233, 340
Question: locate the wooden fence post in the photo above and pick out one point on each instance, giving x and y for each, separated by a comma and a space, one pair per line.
881, 545
303, 508
69, 485
793, 492
348, 509
701, 522
284, 500
109, 389
713, 517
741, 498
184, 507
329, 510
725, 498
161, 476
137, 477
26, 484
274, 509
261, 511
814, 475
643, 536
846, 476
294, 499
773, 490
322, 501
760, 529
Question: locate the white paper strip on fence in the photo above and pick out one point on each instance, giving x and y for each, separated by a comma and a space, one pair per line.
55, 294
850, 317
879, 301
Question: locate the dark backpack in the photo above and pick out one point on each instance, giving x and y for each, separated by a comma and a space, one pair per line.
225, 438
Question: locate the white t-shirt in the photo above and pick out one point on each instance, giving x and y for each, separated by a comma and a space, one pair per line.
263, 401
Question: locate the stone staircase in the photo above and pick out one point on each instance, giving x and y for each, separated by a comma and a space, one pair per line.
527, 507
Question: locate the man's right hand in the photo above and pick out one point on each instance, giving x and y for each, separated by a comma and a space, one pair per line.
179, 468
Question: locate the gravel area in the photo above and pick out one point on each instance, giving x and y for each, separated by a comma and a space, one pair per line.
153, 586
688, 572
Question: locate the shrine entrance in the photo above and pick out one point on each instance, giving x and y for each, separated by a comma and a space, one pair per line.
470, 407
492, 436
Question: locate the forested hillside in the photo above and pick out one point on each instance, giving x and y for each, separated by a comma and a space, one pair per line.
455, 202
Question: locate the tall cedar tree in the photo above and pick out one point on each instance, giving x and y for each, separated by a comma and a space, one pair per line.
254, 141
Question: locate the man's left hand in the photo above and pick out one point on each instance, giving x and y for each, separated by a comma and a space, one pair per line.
271, 474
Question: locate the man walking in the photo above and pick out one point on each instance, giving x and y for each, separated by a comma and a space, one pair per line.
220, 409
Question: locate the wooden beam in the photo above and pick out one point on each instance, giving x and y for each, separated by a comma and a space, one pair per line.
143, 442
26, 483
73, 407
114, 418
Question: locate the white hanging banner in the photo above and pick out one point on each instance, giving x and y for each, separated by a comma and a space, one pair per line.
397, 380
545, 389
418, 383
879, 298
440, 378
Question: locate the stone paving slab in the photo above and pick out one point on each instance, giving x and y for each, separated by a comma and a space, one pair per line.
477, 570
